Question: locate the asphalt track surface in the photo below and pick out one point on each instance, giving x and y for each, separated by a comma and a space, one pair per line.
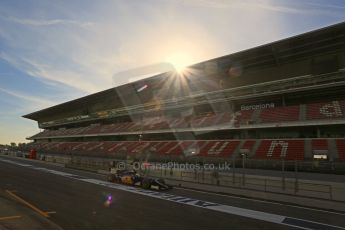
78, 199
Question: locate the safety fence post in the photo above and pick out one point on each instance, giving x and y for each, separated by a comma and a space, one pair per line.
283, 174
296, 178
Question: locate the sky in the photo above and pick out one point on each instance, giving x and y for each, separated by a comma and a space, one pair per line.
56, 51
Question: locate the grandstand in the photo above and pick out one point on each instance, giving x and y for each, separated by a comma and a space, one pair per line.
283, 100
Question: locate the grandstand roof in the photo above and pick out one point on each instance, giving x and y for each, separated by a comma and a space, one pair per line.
330, 39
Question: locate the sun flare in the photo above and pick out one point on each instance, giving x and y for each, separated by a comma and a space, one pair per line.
180, 61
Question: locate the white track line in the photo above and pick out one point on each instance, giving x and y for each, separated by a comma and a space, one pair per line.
262, 201
258, 215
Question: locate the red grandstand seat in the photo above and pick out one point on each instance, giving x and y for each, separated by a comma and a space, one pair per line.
224, 118
75, 131
242, 117
120, 147
165, 148
102, 147
152, 124
156, 145
236, 119
204, 120
136, 126
113, 147
180, 148
42, 146
128, 146
123, 127
55, 147
107, 128
45, 133
248, 146
194, 149
280, 114
330, 110
277, 149
64, 148
319, 144
94, 145
79, 146
141, 147
178, 123
84, 148
92, 129
341, 149
219, 148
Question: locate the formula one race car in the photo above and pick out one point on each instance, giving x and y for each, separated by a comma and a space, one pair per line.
131, 177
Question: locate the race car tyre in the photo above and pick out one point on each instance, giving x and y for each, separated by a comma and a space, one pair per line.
146, 184
163, 187
111, 178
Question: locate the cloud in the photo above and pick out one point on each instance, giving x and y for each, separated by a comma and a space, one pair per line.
293, 7
325, 5
85, 62
50, 74
38, 101
86, 56
48, 22
209, 3
75, 79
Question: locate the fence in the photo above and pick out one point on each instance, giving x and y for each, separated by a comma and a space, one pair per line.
292, 186
287, 177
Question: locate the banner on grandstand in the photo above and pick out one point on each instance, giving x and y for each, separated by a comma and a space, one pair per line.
258, 106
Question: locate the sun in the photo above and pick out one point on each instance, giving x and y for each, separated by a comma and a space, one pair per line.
179, 60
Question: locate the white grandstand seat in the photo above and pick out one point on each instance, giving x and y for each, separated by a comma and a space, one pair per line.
281, 149
329, 110
220, 148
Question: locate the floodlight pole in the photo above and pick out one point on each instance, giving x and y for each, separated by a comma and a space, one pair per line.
233, 170
283, 172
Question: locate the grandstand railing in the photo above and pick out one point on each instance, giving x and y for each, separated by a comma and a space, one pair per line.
205, 129
326, 113
299, 83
